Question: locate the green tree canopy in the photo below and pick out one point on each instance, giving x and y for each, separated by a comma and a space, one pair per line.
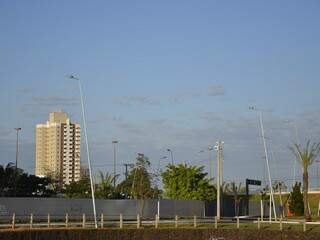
306, 156
105, 188
79, 189
296, 200
187, 182
138, 183
15, 182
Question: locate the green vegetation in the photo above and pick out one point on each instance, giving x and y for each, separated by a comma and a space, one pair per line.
187, 182
105, 188
138, 183
80, 189
296, 200
235, 190
15, 182
306, 156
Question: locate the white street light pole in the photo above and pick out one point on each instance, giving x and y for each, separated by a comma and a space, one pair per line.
114, 142
267, 161
16, 166
298, 142
210, 163
88, 153
169, 150
218, 148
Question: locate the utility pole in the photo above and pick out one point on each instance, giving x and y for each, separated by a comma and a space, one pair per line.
114, 142
218, 149
16, 166
210, 148
126, 166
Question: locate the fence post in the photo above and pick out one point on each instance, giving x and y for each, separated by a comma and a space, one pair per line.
101, 220
176, 221
194, 221
156, 221
138, 221
121, 221
304, 225
31, 220
259, 223
67, 219
48, 221
215, 222
281, 227
84, 220
13, 221
238, 223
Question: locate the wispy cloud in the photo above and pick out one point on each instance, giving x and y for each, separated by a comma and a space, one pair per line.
135, 101
24, 90
54, 101
216, 90
212, 90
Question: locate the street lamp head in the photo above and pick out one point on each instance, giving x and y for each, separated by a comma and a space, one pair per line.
114, 141
164, 157
169, 150
18, 129
73, 77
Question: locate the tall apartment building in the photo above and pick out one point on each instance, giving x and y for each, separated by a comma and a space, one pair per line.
58, 148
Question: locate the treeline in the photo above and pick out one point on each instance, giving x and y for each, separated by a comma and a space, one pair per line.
178, 182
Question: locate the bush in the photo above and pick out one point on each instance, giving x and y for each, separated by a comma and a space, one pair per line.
296, 200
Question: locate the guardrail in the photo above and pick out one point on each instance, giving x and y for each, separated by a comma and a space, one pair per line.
67, 221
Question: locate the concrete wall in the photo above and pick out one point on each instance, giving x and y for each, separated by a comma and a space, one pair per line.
58, 207
148, 208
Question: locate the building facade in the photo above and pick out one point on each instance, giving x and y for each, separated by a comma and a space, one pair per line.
58, 148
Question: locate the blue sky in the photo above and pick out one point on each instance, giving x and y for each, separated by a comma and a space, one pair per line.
159, 74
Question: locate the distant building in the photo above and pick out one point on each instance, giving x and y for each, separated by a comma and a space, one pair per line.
58, 148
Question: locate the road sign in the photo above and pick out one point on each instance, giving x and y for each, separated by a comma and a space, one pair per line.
253, 182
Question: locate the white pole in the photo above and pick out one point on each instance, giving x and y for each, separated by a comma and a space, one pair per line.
88, 154
210, 163
158, 208
261, 209
218, 148
295, 160
267, 161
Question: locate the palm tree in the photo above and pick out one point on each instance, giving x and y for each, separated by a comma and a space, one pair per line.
306, 156
105, 188
235, 190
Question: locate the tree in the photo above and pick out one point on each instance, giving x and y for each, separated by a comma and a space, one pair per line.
138, 184
7, 177
306, 156
79, 189
296, 200
105, 188
187, 182
235, 191
15, 182
278, 186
